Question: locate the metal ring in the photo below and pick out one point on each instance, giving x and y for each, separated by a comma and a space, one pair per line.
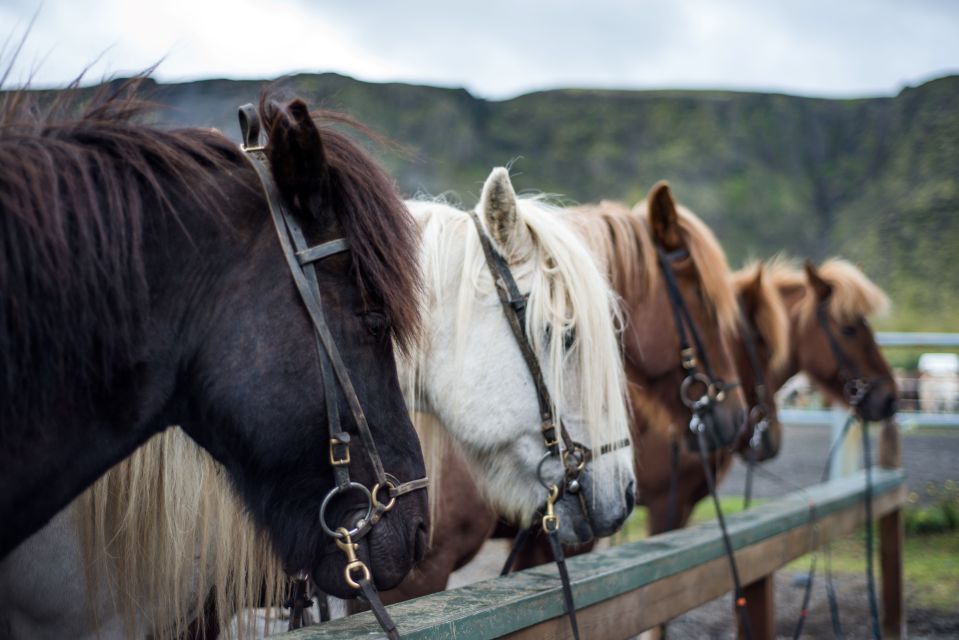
379, 506
361, 523
688, 382
580, 456
539, 471
855, 390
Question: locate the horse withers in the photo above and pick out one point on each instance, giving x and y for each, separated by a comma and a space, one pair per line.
143, 285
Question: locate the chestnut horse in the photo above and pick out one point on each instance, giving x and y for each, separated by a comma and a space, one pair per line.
142, 285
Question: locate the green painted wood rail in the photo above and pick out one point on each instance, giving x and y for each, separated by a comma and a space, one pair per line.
499, 606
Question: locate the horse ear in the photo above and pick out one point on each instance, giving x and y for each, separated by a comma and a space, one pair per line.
821, 288
751, 292
296, 154
499, 208
663, 217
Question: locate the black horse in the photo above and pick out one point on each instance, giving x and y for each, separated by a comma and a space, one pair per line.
142, 285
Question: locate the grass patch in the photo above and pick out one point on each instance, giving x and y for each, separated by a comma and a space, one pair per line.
931, 565
635, 527
931, 561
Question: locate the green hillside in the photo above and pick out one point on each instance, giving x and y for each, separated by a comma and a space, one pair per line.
875, 180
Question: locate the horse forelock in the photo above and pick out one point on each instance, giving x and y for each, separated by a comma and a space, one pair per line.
853, 294
382, 235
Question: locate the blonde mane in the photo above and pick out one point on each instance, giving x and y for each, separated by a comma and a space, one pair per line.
772, 320
622, 241
162, 529
564, 299
853, 294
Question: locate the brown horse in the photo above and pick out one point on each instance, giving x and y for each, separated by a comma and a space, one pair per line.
779, 308
832, 341
625, 241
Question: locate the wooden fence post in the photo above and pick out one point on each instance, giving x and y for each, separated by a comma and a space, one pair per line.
760, 607
891, 536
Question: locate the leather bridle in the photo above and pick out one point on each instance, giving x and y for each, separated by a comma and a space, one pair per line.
855, 387
301, 260
573, 455
702, 423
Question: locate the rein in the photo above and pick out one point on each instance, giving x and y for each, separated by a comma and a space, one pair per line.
760, 413
301, 259
702, 424
573, 455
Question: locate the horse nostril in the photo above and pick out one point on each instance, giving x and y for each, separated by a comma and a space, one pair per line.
630, 498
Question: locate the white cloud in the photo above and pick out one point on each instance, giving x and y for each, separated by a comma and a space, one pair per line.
498, 48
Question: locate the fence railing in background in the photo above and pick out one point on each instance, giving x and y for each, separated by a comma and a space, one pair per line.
917, 339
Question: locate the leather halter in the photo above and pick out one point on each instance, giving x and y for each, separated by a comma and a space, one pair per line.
855, 387
574, 455
762, 411
301, 259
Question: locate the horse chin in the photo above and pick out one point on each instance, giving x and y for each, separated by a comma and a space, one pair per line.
389, 550
573, 527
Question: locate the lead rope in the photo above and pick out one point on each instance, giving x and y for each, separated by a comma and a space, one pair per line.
715, 392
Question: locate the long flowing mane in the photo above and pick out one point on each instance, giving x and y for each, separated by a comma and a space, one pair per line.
163, 534
853, 294
622, 241
83, 183
772, 320
565, 299
77, 195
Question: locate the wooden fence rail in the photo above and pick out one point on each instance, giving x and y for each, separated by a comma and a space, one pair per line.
626, 589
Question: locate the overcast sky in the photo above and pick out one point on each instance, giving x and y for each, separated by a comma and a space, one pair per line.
499, 49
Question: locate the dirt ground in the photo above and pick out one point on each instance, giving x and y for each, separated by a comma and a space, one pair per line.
927, 456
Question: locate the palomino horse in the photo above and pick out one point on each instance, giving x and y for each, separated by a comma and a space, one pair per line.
142, 285
625, 241
472, 378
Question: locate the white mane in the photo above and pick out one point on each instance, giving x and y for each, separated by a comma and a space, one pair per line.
567, 296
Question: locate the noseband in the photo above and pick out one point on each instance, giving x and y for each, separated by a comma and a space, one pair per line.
301, 259
573, 455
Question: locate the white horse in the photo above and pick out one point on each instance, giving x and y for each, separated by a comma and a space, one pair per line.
470, 373
161, 536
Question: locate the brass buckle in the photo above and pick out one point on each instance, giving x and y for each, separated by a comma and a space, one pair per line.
550, 520
339, 462
550, 440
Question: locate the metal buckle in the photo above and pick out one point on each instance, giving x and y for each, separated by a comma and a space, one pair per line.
688, 358
548, 429
344, 440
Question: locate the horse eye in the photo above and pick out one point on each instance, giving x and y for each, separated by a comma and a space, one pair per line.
376, 323
849, 330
